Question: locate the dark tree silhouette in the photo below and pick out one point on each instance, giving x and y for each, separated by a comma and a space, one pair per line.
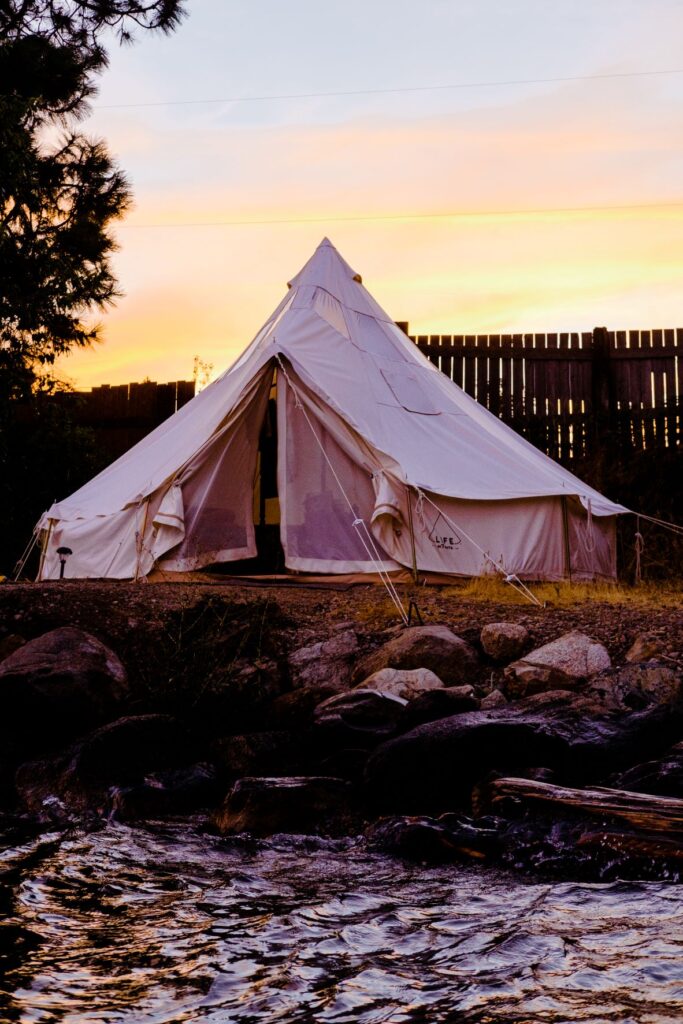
60, 191
60, 194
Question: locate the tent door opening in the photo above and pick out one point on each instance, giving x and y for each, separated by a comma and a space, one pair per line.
270, 557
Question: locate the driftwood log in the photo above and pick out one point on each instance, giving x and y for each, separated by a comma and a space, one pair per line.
644, 812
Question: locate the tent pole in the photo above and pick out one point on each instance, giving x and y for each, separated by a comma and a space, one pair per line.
565, 530
44, 547
412, 535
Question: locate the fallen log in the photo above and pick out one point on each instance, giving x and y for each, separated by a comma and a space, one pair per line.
643, 811
625, 845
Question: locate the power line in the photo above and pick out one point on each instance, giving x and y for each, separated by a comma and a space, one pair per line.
385, 92
452, 215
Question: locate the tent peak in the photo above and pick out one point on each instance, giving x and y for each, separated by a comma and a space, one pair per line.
326, 269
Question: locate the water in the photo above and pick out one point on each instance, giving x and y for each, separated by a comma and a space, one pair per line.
161, 925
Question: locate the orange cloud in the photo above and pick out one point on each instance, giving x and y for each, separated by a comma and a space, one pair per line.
205, 290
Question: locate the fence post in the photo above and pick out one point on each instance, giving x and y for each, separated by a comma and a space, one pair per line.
603, 405
600, 376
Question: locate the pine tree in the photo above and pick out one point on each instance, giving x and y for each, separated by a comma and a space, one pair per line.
60, 191
60, 194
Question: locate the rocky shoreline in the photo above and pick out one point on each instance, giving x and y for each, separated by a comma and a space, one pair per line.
541, 740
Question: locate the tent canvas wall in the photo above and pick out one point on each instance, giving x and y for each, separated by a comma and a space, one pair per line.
381, 461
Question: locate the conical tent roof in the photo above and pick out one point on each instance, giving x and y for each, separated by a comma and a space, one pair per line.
351, 354
378, 402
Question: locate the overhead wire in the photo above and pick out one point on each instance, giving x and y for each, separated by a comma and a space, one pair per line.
444, 215
454, 86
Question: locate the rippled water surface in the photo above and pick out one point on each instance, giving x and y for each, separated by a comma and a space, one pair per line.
167, 925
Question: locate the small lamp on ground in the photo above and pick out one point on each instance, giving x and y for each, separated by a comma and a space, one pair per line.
63, 555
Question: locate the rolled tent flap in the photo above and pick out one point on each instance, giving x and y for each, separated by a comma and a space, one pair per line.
169, 522
389, 499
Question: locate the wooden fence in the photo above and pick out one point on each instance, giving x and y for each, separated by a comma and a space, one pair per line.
122, 414
567, 392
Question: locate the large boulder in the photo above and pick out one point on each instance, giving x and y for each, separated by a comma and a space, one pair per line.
326, 663
173, 792
447, 838
434, 766
303, 805
125, 750
504, 641
57, 687
635, 686
121, 753
362, 716
404, 683
564, 663
436, 648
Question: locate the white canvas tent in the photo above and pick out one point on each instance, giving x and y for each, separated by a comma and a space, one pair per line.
381, 462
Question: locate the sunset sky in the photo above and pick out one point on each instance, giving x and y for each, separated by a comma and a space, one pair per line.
482, 208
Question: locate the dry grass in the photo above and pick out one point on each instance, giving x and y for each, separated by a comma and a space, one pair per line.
565, 594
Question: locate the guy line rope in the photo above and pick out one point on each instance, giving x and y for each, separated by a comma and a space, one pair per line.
367, 539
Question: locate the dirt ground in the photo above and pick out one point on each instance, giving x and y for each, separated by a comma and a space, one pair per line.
301, 614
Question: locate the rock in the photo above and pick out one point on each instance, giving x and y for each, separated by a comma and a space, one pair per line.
404, 683
118, 754
123, 750
434, 704
295, 709
504, 641
252, 684
359, 715
635, 686
564, 663
434, 766
645, 647
328, 663
9, 644
179, 791
435, 840
436, 648
343, 762
663, 776
58, 686
256, 753
494, 699
296, 805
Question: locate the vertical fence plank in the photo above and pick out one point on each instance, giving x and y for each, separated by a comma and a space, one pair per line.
568, 392
493, 365
469, 360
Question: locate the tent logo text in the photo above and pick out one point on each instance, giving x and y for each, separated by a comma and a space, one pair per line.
443, 536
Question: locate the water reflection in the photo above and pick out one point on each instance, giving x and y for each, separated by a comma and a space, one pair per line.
163, 925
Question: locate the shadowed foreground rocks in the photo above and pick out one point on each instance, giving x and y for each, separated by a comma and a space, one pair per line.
437, 764
239, 716
56, 687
